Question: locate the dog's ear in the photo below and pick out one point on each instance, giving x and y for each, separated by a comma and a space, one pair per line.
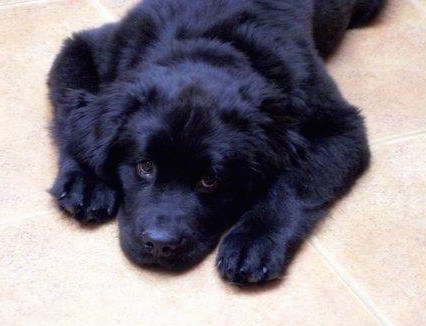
84, 61
94, 123
75, 93
75, 75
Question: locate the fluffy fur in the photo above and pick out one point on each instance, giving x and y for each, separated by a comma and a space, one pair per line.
230, 92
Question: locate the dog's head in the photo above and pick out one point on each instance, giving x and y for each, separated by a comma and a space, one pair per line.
191, 149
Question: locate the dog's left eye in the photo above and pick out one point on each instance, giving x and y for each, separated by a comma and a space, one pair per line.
145, 168
208, 184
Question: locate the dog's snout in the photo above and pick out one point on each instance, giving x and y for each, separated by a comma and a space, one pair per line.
160, 243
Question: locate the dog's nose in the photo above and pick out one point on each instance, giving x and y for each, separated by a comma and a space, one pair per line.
159, 243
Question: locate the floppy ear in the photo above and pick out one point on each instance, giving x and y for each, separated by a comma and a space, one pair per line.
94, 123
84, 61
86, 119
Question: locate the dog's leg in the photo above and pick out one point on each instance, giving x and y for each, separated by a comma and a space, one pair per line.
83, 195
73, 83
260, 245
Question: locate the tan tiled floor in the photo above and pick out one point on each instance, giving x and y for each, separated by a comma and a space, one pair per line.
366, 265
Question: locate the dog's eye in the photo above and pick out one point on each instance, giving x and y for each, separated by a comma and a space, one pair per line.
208, 184
145, 168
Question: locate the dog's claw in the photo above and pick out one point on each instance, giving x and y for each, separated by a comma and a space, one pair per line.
63, 195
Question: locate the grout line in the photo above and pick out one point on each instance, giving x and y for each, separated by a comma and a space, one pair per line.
26, 3
363, 298
107, 14
417, 4
13, 220
397, 138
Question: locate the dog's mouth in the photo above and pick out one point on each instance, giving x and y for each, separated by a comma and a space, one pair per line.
181, 260
188, 254
142, 256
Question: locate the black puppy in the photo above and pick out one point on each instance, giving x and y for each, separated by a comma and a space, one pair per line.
191, 117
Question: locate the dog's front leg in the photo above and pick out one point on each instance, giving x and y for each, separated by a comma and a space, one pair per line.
74, 83
81, 194
259, 246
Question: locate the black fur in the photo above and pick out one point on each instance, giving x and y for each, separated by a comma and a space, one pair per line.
233, 91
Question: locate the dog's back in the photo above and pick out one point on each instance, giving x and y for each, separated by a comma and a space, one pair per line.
327, 19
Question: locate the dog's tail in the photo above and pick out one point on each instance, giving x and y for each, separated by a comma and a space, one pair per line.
365, 11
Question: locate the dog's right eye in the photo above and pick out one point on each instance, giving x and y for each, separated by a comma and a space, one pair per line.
145, 168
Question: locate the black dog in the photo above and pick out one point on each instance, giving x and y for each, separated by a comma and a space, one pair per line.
191, 117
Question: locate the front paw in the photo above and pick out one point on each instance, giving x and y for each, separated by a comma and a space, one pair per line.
246, 257
87, 199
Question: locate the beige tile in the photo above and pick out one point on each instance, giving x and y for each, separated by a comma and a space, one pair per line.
381, 69
377, 234
421, 3
119, 7
27, 160
53, 272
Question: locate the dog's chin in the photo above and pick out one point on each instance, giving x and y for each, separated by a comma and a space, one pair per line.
178, 263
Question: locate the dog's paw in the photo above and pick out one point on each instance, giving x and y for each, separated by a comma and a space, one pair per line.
86, 199
244, 259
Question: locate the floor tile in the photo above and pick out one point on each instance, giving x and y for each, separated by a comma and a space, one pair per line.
53, 271
421, 3
27, 159
377, 234
381, 69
